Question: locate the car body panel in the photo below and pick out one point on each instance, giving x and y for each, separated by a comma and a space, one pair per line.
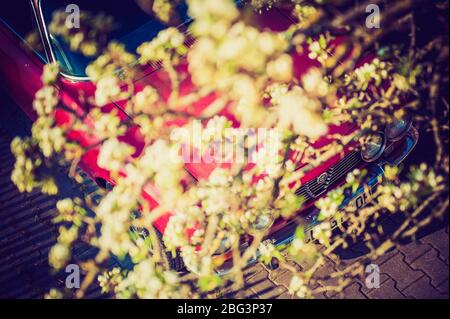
21, 68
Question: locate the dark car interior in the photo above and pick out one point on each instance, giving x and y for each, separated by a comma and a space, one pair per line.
132, 27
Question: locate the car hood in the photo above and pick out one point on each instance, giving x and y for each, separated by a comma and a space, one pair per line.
153, 75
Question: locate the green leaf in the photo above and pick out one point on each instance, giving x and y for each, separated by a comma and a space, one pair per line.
322, 42
208, 283
300, 233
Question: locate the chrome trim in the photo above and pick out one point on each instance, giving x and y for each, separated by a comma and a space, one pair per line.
407, 130
313, 189
47, 41
411, 136
75, 78
380, 151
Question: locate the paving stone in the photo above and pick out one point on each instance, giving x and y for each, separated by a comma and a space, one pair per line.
306, 264
387, 290
413, 250
264, 288
321, 295
422, 289
277, 274
439, 241
366, 290
286, 295
433, 267
249, 294
352, 291
25, 239
387, 256
443, 288
269, 291
284, 278
258, 277
326, 269
259, 273
398, 268
342, 265
253, 270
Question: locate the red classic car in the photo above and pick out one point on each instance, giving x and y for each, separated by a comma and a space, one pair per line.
21, 66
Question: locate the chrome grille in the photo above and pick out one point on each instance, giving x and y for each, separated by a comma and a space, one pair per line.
314, 188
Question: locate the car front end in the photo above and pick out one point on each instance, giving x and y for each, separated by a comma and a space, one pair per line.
397, 142
387, 147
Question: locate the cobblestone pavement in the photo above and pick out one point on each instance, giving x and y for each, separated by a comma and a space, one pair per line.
415, 270
26, 236
26, 229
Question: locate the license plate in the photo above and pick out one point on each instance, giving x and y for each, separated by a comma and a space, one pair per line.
359, 202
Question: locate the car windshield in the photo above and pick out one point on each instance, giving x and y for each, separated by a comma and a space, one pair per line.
132, 25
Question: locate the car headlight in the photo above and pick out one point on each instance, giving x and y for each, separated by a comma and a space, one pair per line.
262, 222
397, 129
373, 147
